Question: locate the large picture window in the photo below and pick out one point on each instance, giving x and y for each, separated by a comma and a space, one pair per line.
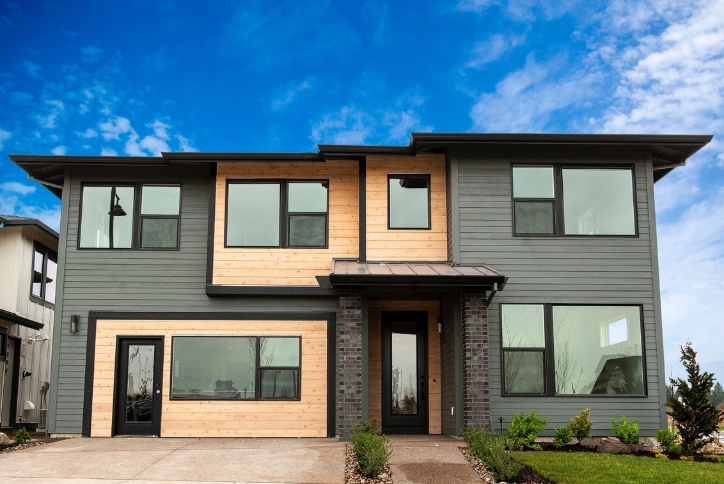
111, 217
45, 269
236, 368
595, 350
584, 201
277, 213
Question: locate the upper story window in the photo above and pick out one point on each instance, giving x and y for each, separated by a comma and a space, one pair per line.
109, 217
277, 213
408, 202
560, 200
45, 269
572, 350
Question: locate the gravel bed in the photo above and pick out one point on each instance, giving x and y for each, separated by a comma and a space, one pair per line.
479, 467
4, 449
352, 474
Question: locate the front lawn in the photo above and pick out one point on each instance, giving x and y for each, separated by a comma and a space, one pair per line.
585, 467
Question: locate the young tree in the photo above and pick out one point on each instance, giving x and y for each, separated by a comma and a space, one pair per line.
695, 415
717, 394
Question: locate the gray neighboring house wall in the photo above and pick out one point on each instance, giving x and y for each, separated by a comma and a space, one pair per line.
538, 270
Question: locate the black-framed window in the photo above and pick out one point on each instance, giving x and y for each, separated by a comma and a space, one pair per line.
277, 213
45, 271
160, 216
3, 344
408, 201
572, 349
130, 216
236, 368
573, 200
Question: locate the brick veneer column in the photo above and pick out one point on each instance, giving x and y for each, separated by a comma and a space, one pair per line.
476, 403
349, 360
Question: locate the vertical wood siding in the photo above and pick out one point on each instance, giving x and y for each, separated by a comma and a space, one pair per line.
209, 418
405, 245
240, 265
562, 270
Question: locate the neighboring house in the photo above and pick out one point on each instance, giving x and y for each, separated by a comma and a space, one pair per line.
459, 280
28, 267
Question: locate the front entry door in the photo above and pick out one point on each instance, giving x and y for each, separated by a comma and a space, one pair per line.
139, 368
404, 372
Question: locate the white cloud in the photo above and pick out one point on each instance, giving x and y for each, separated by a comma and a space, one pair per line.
88, 133
59, 150
108, 152
290, 94
154, 144
91, 53
114, 128
346, 126
4, 136
493, 49
32, 68
160, 129
185, 144
521, 10
525, 99
132, 147
18, 188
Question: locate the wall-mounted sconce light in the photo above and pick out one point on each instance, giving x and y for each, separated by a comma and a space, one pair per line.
439, 324
74, 319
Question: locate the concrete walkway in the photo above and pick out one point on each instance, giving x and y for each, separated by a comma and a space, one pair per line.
156, 461
430, 459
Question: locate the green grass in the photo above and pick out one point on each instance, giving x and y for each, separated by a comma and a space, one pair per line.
585, 467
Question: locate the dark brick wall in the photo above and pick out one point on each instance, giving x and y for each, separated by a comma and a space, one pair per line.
476, 400
349, 360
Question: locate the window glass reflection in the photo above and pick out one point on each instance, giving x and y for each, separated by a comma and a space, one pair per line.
404, 368
598, 202
107, 217
533, 182
139, 390
409, 202
253, 214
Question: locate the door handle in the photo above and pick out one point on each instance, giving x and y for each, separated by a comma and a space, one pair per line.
158, 391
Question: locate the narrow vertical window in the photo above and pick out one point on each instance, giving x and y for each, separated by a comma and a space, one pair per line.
307, 212
160, 216
107, 217
409, 201
45, 268
523, 327
534, 200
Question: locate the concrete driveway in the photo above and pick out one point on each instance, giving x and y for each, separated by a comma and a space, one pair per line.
156, 461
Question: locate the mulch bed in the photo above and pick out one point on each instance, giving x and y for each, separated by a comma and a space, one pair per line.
525, 476
352, 474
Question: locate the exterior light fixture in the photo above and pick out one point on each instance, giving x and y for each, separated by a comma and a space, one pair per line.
74, 318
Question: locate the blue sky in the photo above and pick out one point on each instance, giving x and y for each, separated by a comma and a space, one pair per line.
138, 78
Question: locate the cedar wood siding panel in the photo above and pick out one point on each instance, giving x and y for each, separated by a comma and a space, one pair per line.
559, 270
139, 281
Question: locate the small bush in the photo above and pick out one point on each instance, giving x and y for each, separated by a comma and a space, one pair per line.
687, 457
372, 451
366, 427
564, 435
22, 436
581, 426
714, 457
627, 432
491, 449
668, 441
660, 455
524, 429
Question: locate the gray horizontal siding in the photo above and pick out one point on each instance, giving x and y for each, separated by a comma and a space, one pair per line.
140, 281
562, 270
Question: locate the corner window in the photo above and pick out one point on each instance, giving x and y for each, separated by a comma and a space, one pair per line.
45, 270
111, 217
559, 200
235, 368
279, 213
408, 201
597, 350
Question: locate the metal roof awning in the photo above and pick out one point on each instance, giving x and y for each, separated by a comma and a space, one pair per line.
433, 274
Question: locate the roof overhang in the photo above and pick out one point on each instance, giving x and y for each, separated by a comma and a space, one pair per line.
27, 221
14, 318
667, 151
441, 275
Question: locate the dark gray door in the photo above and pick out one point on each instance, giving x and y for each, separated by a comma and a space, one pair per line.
404, 372
139, 369
10, 383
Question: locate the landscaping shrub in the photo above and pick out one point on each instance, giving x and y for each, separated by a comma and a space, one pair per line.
372, 450
524, 429
581, 426
563, 436
627, 432
693, 412
660, 455
668, 441
22, 436
491, 449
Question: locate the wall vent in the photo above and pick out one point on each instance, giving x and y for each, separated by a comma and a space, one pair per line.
42, 420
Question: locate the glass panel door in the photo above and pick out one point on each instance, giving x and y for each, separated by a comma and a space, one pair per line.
404, 375
139, 366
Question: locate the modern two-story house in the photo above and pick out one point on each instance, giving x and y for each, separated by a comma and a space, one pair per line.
456, 281
28, 266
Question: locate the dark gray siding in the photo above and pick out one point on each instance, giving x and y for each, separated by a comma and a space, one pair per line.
137, 281
447, 367
559, 270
